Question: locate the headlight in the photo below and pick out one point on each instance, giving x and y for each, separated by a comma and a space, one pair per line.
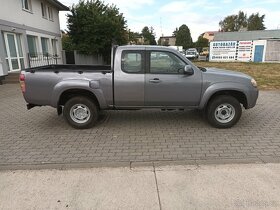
254, 83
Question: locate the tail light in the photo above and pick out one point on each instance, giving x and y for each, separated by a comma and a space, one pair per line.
22, 82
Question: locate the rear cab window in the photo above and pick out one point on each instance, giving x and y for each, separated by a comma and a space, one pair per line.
132, 62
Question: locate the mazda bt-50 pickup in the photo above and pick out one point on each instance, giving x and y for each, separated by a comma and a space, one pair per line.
139, 77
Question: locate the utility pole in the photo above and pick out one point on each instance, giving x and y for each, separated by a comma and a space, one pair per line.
161, 27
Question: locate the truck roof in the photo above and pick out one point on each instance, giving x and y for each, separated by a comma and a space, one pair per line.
146, 47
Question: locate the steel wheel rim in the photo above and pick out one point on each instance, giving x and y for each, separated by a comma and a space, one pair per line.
224, 113
80, 113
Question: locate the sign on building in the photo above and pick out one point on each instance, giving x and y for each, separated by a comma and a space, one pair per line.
231, 51
223, 51
244, 51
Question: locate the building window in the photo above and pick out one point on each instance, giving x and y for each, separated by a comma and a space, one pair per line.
54, 47
5, 49
26, 5
44, 11
45, 46
32, 45
50, 13
13, 50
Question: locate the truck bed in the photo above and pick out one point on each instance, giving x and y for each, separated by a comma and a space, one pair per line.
46, 84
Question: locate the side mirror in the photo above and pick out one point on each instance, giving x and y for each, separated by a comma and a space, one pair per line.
188, 70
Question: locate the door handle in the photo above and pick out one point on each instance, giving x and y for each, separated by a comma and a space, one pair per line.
155, 80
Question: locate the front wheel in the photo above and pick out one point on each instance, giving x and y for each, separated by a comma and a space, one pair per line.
80, 112
223, 111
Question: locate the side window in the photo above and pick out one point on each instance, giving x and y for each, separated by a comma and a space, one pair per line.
132, 62
166, 63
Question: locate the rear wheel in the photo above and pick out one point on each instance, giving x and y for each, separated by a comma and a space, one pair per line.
223, 111
80, 112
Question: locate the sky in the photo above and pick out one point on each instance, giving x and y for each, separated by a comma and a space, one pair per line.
199, 15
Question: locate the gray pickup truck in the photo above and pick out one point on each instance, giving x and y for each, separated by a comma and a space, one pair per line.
139, 77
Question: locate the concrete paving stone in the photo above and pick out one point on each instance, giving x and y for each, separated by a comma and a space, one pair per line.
254, 186
39, 135
78, 189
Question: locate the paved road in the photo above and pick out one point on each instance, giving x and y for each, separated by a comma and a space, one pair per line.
40, 136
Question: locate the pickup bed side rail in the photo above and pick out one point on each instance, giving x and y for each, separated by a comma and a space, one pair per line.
71, 68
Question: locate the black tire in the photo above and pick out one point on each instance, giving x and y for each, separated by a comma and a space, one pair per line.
223, 106
89, 111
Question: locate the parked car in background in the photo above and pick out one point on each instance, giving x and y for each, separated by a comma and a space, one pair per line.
183, 52
192, 53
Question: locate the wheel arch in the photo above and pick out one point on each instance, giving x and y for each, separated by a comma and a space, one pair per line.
239, 95
236, 90
70, 93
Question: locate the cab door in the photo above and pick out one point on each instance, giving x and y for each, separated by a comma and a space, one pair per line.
166, 85
129, 79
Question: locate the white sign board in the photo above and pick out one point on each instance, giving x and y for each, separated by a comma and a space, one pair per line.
223, 51
244, 52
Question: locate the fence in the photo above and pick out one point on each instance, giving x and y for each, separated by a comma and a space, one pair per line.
41, 59
74, 57
88, 59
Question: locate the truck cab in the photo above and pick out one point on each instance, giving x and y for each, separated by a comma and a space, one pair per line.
155, 77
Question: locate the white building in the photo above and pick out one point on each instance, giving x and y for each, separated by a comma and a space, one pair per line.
29, 33
246, 46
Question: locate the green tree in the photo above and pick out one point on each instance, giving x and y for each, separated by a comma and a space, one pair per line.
133, 37
228, 24
159, 41
183, 37
93, 27
256, 22
149, 35
234, 22
67, 43
201, 42
240, 21
175, 32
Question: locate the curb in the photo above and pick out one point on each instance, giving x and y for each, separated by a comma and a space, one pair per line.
136, 164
